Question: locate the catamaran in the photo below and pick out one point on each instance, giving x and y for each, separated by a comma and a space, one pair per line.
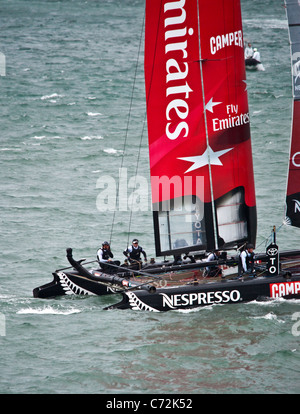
200, 142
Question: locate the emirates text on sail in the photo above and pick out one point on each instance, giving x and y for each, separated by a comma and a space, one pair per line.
230, 122
233, 119
177, 108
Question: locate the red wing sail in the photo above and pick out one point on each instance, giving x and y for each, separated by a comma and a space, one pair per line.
198, 125
293, 184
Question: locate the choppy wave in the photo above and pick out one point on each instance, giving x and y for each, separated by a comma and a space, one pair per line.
53, 95
266, 23
47, 310
39, 137
94, 113
269, 316
112, 151
10, 149
200, 309
91, 137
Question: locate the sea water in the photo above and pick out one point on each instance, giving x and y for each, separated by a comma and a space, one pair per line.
65, 124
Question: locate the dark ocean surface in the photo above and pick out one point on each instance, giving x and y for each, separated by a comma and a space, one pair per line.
65, 100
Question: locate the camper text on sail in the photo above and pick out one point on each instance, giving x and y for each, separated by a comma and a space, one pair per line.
228, 39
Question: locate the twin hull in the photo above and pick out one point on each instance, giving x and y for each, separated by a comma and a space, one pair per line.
223, 292
192, 294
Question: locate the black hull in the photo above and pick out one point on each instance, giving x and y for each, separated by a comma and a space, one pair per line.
94, 283
77, 280
223, 292
82, 281
65, 283
253, 64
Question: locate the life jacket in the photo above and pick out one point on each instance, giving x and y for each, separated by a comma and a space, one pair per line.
135, 253
106, 254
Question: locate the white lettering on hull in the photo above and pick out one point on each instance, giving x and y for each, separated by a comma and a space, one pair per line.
201, 298
278, 290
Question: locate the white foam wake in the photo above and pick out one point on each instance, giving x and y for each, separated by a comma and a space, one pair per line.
47, 310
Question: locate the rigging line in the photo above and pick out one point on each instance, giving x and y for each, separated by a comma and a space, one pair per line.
148, 93
141, 137
136, 171
127, 129
266, 240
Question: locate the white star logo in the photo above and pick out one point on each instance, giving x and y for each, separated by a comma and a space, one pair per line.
209, 155
210, 105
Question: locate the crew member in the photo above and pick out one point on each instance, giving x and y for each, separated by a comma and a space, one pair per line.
213, 271
248, 51
247, 260
133, 253
104, 257
256, 54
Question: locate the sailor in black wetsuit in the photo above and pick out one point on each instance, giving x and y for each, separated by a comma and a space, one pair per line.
104, 256
133, 253
247, 261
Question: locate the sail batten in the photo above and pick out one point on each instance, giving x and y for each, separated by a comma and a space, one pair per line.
198, 125
293, 180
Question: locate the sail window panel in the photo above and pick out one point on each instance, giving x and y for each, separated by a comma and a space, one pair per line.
293, 12
164, 242
233, 232
183, 230
163, 228
294, 35
179, 231
231, 217
228, 214
183, 226
182, 240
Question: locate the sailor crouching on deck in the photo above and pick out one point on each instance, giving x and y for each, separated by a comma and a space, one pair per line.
213, 271
104, 256
133, 254
247, 261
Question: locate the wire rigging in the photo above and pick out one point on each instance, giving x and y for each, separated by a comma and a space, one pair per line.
127, 127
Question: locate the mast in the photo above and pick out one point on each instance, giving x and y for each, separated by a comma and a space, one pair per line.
206, 134
201, 168
293, 181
